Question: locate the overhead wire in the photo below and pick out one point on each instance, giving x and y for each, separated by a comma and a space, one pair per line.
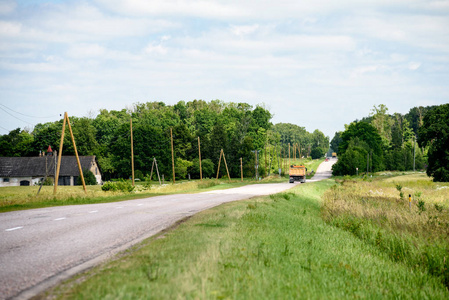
38, 117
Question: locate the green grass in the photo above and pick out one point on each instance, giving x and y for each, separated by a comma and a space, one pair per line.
25, 197
414, 233
275, 247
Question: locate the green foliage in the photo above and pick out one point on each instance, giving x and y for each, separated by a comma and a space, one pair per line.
17, 143
120, 185
435, 134
139, 175
181, 167
207, 167
335, 143
89, 178
317, 153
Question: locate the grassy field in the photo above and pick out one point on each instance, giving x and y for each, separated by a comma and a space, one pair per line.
285, 246
25, 197
378, 212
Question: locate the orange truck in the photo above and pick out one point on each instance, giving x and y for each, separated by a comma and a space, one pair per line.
297, 173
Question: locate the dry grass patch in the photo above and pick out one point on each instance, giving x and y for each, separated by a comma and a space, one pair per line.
379, 212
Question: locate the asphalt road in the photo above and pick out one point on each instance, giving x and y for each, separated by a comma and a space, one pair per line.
41, 247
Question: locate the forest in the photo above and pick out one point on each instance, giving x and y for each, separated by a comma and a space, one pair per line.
238, 128
414, 141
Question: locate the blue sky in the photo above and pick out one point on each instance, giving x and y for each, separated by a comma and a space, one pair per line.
317, 64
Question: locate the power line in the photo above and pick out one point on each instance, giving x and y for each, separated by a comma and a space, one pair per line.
27, 115
15, 116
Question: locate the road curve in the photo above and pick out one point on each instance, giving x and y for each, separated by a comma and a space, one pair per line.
42, 247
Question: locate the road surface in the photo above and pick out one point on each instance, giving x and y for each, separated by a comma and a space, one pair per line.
42, 247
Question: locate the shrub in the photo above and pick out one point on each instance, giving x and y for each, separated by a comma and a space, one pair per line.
89, 178
121, 185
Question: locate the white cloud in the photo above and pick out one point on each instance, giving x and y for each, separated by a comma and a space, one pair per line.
10, 29
7, 7
86, 50
414, 66
244, 30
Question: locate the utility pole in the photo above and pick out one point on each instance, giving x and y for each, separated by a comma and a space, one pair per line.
199, 152
132, 151
414, 152
66, 119
172, 154
367, 164
266, 155
241, 168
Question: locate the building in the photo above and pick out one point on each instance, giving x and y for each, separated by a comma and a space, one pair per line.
25, 171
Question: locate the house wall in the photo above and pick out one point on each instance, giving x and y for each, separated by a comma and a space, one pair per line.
15, 181
96, 171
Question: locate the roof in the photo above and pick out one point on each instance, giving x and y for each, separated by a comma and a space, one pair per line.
37, 166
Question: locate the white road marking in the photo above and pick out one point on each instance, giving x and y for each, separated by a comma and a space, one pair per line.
15, 228
94, 211
59, 219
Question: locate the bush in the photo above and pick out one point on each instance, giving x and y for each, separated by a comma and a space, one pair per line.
317, 153
207, 167
89, 178
121, 185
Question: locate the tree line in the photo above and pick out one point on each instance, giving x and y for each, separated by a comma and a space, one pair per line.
238, 128
416, 140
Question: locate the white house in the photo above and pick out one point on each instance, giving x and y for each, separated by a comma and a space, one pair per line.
23, 171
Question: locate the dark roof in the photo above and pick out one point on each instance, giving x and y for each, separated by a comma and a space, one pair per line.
36, 166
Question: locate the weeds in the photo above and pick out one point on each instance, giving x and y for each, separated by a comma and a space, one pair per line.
418, 237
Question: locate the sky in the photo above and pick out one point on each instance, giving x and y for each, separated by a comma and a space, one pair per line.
316, 64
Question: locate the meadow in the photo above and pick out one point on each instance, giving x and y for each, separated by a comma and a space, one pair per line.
311, 242
406, 217
27, 197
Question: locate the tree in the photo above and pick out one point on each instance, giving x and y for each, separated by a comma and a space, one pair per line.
317, 153
435, 134
354, 157
336, 140
363, 139
17, 143
89, 178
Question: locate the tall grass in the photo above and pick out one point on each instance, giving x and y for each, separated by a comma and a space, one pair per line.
25, 197
415, 233
275, 247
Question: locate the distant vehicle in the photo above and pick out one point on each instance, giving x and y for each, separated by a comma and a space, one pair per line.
334, 154
297, 173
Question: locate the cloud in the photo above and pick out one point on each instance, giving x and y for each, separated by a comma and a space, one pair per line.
10, 29
7, 7
414, 66
86, 50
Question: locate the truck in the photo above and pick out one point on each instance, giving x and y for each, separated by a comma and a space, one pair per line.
297, 173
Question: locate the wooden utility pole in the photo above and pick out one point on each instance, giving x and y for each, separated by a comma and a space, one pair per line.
241, 168
199, 152
132, 150
172, 155
226, 165
265, 172
219, 161
76, 154
66, 119
59, 157
157, 170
